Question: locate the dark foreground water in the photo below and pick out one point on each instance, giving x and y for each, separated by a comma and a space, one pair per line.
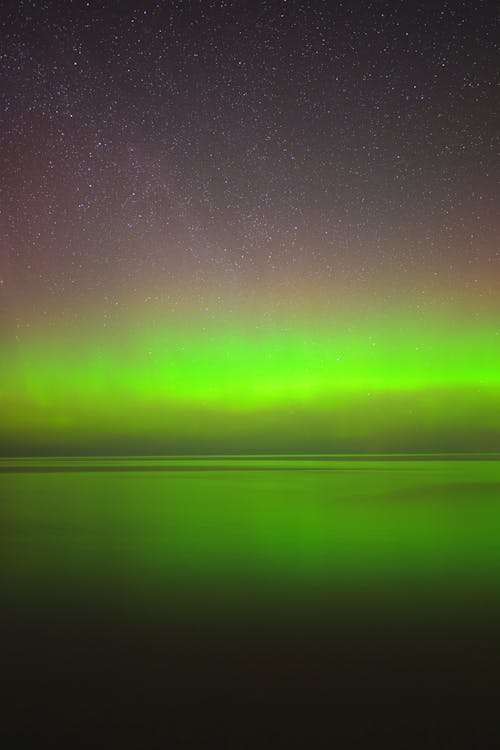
193, 602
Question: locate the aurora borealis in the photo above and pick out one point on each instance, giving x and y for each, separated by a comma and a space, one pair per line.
378, 385
242, 228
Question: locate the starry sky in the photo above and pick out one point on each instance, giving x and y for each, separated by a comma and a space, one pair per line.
248, 225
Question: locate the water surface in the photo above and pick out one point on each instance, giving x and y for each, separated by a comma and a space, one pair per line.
263, 602
169, 532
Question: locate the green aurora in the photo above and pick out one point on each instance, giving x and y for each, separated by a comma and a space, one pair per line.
397, 383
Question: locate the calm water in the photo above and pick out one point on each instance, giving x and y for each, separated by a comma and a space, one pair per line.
165, 531
286, 586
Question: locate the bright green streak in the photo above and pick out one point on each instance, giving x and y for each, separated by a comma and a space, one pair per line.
333, 386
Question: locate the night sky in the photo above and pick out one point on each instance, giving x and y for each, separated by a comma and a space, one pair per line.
248, 226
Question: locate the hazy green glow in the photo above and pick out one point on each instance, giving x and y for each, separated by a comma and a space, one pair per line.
293, 524
364, 387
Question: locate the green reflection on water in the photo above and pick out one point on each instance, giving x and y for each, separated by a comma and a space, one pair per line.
161, 527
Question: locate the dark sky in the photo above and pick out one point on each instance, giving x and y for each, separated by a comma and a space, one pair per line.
157, 145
